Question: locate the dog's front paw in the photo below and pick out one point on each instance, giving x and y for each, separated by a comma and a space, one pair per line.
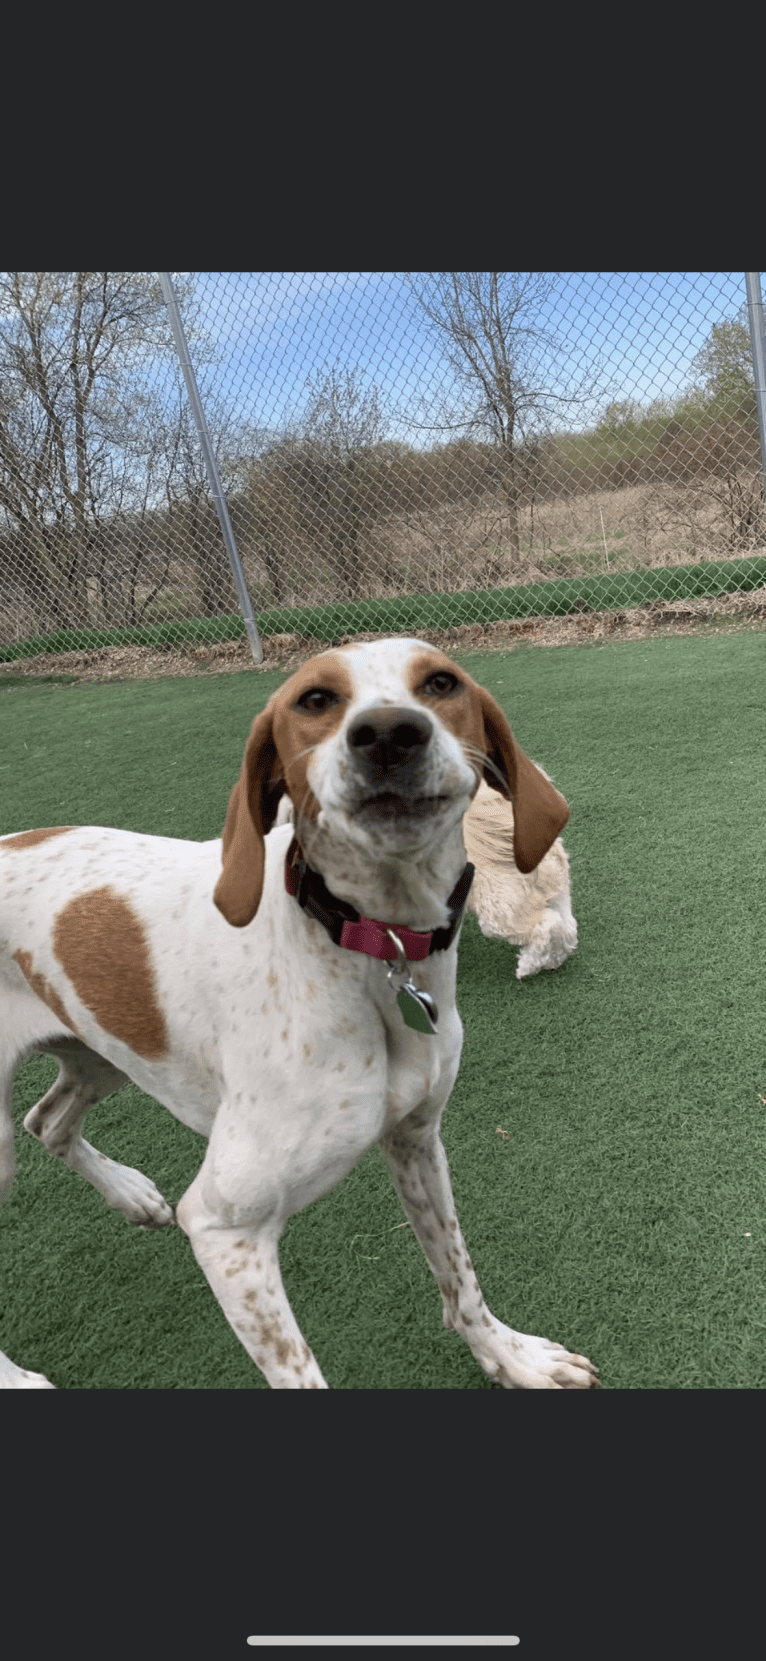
18, 1378
518, 1362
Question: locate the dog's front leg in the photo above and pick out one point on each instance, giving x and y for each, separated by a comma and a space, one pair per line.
241, 1264
418, 1164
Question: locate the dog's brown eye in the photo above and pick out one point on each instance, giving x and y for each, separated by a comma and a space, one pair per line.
441, 683
317, 699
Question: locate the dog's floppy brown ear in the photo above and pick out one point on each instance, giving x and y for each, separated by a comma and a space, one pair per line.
251, 814
539, 812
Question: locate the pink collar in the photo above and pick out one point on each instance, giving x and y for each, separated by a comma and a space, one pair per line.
348, 928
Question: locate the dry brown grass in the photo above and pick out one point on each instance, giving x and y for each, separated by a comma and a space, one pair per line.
440, 523
416, 543
467, 546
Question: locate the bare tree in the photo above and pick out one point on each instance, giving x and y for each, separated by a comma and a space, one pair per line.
342, 421
342, 416
317, 484
488, 323
79, 435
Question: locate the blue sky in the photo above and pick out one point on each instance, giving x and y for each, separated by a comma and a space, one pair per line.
638, 331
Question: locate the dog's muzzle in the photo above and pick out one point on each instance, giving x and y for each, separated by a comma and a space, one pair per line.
389, 747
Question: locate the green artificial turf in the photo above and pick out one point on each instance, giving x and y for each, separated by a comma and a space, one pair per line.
623, 1212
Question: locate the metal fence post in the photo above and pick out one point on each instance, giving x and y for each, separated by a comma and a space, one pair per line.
758, 343
210, 464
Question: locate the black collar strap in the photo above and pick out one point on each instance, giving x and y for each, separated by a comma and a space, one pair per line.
348, 928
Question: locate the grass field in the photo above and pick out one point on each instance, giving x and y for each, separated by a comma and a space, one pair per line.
623, 1212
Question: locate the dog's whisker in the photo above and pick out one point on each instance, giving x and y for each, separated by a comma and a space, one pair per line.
480, 761
299, 755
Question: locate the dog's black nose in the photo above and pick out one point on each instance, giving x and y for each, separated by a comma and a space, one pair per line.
389, 737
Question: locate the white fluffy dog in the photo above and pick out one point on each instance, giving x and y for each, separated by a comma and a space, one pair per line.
532, 911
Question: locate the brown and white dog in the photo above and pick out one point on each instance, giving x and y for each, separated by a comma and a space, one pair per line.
288, 993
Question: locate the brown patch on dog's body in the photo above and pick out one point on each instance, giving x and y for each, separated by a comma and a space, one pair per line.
43, 990
30, 839
101, 946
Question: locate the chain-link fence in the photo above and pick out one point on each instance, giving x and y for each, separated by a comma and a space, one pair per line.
398, 452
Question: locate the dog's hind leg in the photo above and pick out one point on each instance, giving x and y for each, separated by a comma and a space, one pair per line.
55, 1120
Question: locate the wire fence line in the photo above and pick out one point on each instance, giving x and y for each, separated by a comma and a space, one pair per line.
395, 450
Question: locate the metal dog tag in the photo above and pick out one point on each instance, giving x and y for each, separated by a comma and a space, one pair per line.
418, 1009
